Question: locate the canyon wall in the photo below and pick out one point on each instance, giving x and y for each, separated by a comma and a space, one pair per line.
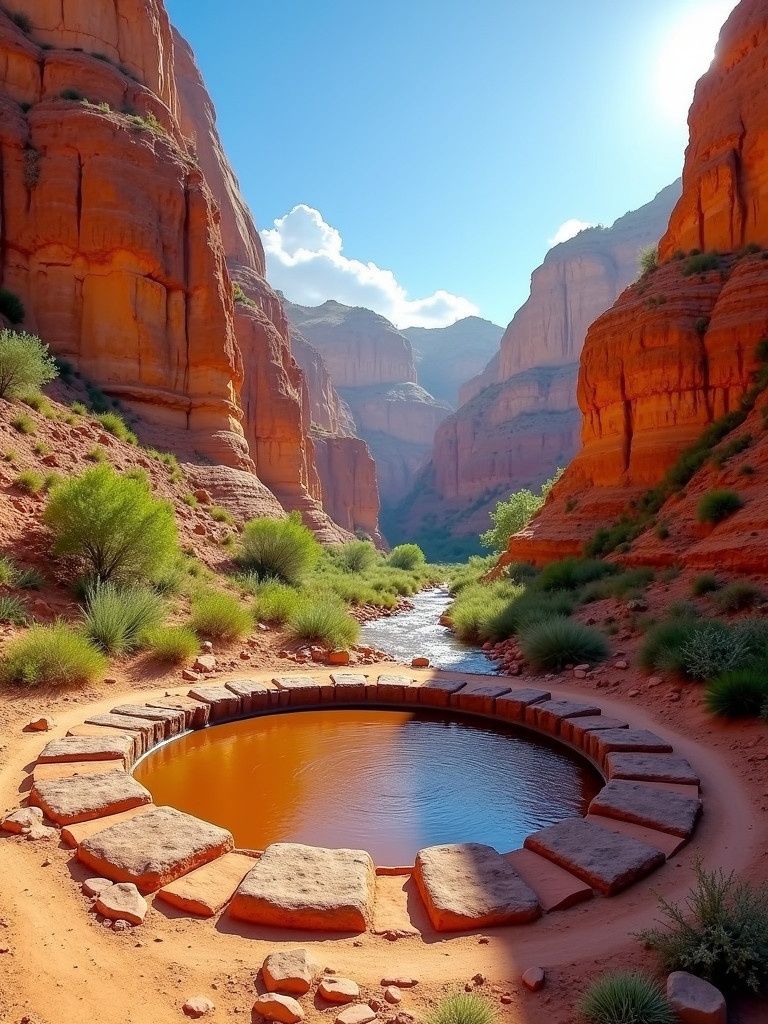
122, 228
447, 357
519, 420
677, 350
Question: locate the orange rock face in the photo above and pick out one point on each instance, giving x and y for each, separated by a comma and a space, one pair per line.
677, 350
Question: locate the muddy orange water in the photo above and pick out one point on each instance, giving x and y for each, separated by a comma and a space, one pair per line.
389, 782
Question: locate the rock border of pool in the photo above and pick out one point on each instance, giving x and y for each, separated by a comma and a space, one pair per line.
644, 814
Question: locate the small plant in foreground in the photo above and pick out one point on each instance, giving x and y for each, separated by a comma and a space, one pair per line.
172, 643
741, 693
281, 549
553, 643
707, 583
114, 424
737, 596
23, 423
625, 997
55, 656
463, 1008
190, 499
721, 934
217, 614
12, 611
715, 506
712, 648
322, 621
30, 480
406, 556
116, 618
28, 579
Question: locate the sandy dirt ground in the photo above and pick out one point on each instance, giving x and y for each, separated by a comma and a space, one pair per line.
58, 964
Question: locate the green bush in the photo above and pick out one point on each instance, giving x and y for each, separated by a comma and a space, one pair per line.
625, 997
707, 583
463, 1008
7, 570
740, 693
51, 656
12, 611
30, 480
648, 259
282, 549
275, 601
662, 641
221, 515
721, 934
406, 556
572, 573
172, 643
551, 644
737, 596
23, 423
24, 364
11, 306
700, 263
510, 516
28, 579
114, 424
712, 648
116, 618
323, 622
221, 615
112, 527
715, 506
357, 556
525, 609
618, 586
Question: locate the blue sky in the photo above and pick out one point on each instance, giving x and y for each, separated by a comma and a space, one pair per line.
435, 147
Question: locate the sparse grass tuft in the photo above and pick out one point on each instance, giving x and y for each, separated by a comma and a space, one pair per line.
173, 644
625, 997
551, 644
116, 618
741, 693
23, 423
737, 596
707, 583
51, 656
30, 480
217, 614
463, 1008
12, 611
715, 506
114, 424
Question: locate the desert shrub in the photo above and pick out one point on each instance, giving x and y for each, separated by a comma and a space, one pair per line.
662, 640
12, 611
700, 263
112, 527
220, 515
324, 622
190, 499
137, 473
551, 644
96, 454
707, 583
711, 648
114, 424
721, 934
30, 480
28, 579
282, 549
625, 997
715, 506
56, 656
116, 618
217, 614
357, 556
463, 1008
474, 612
572, 573
737, 596
510, 516
648, 259
7, 570
740, 693
469, 573
276, 601
79, 409
406, 556
619, 586
172, 643
36, 400
525, 609
682, 610
11, 306
23, 423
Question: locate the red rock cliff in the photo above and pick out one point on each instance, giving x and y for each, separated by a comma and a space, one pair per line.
677, 349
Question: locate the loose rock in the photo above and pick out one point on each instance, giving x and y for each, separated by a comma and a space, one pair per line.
695, 1001
533, 978
339, 990
22, 820
393, 995
360, 1013
284, 1009
198, 1006
96, 886
122, 902
291, 971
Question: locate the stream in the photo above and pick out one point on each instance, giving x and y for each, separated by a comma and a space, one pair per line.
418, 633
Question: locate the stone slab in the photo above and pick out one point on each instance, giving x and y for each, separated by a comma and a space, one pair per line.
66, 769
391, 689
547, 715
578, 730
151, 732
297, 690
254, 696
155, 848
648, 806
511, 706
88, 748
664, 841
608, 861
207, 890
555, 888
224, 703
638, 741
297, 886
196, 712
479, 700
348, 687
174, 721
436, 693
73, 835
102, 730
651, 768
469, 885
82, 797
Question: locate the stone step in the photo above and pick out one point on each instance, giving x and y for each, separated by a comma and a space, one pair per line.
101, 730
548, 715
555, 888
638, 741
66, 769
391, 912
224, 703
511, 707
664, 841
478, 700
578, 731
73, 835
436, 693
196, 712
207, 890
392, 689
651, 768
151, 732
254, 696
608, 861
644, 804
296, 691
89, 748
154, 849
349, 686
469, 885
174, 721
82, 797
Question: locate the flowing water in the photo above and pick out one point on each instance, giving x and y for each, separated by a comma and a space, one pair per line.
390, 782
418, 633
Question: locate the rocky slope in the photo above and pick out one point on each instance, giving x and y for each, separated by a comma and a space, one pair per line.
371, 366
129, 275
677, 350
519, 419
447, 357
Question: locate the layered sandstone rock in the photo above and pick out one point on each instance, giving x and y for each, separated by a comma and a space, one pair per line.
520, 420
677, 350
447, 357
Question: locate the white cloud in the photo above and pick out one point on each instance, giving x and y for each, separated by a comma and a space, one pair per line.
306, 262
567, 230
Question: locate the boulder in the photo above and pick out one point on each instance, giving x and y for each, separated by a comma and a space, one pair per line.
338, 990
694, 1000
122, 902
284, 1009
290, 971
198, 1006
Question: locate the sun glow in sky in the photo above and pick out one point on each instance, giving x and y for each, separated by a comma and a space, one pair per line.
420, 156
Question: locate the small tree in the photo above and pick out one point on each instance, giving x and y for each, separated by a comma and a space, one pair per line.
112, 526
406, 556
24, 364
648, 259
512, 515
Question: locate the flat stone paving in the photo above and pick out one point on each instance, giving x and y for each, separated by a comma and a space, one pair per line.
470, 885
174, 721
650, 768
646, 805
207, 890
82, 797
88, 748
297, 886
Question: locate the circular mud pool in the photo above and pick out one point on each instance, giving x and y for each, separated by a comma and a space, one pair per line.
390, 782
